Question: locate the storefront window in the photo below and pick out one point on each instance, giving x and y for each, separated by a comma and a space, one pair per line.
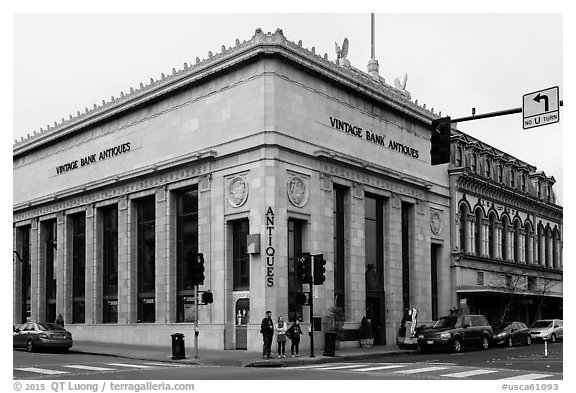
110, 264
339, 239
78, 226
146, 239
241, 260
407, 209
187, 248
294, 283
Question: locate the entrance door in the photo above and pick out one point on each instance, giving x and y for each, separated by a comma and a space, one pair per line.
375, 313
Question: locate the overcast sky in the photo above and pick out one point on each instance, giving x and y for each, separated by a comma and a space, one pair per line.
66, 62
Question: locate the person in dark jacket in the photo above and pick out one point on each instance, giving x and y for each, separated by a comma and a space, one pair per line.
267, 330
294, 334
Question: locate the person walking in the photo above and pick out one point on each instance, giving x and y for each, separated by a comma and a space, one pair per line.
267, 330
294, 334
281, 328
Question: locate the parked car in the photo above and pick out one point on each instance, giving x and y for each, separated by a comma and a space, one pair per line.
453, 332
33, 335
511, 333
547, 329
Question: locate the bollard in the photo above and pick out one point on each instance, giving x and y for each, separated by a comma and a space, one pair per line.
545, 348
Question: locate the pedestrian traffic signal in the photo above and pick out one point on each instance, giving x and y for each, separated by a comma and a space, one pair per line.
440, 141
300, 298
303, 270
198, 269
319, 269
207, 297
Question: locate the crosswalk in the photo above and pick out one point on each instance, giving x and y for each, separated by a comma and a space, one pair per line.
62, 370
429, 370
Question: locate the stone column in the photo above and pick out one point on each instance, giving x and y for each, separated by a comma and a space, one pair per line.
161, 267
38, 271
126, 265
62, 271
91, 270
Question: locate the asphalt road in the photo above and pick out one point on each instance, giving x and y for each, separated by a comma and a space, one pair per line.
494, 364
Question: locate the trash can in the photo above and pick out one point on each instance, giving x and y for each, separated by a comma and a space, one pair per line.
178, 346
329, 344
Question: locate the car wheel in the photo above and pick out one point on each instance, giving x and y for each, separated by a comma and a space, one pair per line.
456, 347
486, 344
510, 343
528, 340
30, 345
552, 338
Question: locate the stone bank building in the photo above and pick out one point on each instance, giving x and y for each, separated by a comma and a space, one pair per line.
250, 157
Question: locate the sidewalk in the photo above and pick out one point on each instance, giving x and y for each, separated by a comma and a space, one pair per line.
234, 358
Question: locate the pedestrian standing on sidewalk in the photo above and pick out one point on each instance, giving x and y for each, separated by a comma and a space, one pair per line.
267, 330
294, 334
281, 329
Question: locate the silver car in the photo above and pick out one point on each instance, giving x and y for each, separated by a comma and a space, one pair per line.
547, 330
32, 335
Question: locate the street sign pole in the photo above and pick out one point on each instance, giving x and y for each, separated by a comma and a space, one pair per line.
311, 314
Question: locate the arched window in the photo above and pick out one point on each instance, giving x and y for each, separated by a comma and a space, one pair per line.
528, 239
492, 235
478, 232
540, 245
462, 223
556, 248
517, 244
505, 228
548, 247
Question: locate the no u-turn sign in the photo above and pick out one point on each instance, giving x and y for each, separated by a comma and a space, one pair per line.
541, 108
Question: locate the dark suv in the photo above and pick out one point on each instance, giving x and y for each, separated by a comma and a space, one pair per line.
454, 331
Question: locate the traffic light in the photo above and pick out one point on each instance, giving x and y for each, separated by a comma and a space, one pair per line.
207, 297
303, 267
319, 269
198, 269
300, 298
440, 141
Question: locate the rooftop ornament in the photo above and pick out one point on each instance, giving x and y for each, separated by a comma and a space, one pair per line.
341, 53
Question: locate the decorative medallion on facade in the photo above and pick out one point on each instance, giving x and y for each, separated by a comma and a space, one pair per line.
297, 191
435, 222
237, 191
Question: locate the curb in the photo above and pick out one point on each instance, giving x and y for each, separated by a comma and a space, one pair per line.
324, 359
134, 357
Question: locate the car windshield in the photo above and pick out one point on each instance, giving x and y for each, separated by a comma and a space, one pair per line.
49, 326
447, 322
542, 324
